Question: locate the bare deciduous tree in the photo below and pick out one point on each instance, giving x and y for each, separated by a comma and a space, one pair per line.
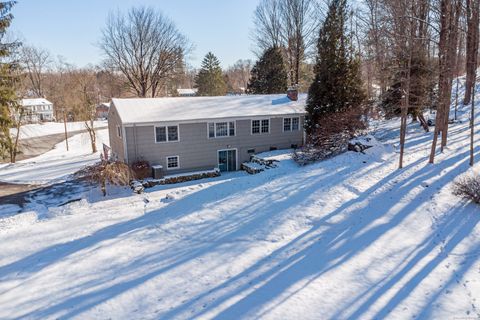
239, 74
145, 46
35, 62
450, 11
290, 25
87, 95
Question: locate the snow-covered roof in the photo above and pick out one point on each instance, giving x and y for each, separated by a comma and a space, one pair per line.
35, 102
187, 91
144, 110
104, 105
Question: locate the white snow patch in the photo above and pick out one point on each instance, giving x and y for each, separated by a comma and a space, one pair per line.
57, 164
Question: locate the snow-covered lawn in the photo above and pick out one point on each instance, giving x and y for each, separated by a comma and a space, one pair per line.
56, 164
47, 128
347, 238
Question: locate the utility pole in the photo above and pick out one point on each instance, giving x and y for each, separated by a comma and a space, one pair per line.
65, 126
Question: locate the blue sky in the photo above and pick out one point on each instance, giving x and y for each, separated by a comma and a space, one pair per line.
71, 28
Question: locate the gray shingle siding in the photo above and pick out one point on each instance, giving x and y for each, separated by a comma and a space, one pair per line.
197, 152
116, 142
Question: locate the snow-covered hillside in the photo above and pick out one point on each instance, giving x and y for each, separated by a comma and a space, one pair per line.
347, 238
48, 128
56, 164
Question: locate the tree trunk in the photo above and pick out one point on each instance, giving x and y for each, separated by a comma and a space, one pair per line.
451, 54
91, 133
444, 88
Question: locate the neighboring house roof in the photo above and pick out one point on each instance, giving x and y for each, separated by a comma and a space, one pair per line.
144, 110
35, 102
187, 91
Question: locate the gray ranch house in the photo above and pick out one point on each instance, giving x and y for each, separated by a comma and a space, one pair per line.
202, 133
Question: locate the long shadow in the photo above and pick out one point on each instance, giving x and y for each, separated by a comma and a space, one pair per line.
34, 262
302, 261
297, 266
263, 212
457, 225
283, 250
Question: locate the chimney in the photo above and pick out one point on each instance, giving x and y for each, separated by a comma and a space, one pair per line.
292, 93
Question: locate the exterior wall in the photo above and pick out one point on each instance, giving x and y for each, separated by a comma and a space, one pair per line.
38, 113
102, 112
197, 152
116, 142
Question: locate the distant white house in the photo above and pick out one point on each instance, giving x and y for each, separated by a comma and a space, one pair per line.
102, 110
187, 92
37, 110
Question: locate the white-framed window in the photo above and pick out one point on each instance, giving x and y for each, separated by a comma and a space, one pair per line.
166, 134
265, 126
255, 126
173, 162
295, 124
119, 131
221, 129
291, 124
260, 126
211, 130
287, 124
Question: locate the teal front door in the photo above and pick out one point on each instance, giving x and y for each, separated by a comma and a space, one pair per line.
227, 160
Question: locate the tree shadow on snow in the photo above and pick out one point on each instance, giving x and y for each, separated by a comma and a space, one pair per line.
266, 284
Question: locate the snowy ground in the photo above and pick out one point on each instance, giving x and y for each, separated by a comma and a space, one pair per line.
48, 128
347, 238
57, 164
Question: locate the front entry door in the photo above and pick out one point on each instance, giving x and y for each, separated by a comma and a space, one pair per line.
227, 160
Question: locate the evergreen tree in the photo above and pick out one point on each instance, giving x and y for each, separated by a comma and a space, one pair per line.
8, 79
268, 74
210, 80
337, 85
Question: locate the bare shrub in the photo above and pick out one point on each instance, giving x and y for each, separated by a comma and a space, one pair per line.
332, 135
468, 187
142, 169
114, 173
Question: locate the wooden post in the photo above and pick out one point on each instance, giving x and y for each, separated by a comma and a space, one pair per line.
65, 126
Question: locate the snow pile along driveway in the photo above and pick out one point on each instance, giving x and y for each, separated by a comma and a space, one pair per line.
348, 238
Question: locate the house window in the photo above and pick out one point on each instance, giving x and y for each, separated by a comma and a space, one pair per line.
251, 151
173, 162
265, 126
166, 134
287, 124
221, 129
260, 126
173, 133
119, 131
211, 130
291, 124
295, 124
160, 134
255, 126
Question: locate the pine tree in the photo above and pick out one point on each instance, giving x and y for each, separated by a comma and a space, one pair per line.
210, 80
268, 74
8, 79
337, 85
